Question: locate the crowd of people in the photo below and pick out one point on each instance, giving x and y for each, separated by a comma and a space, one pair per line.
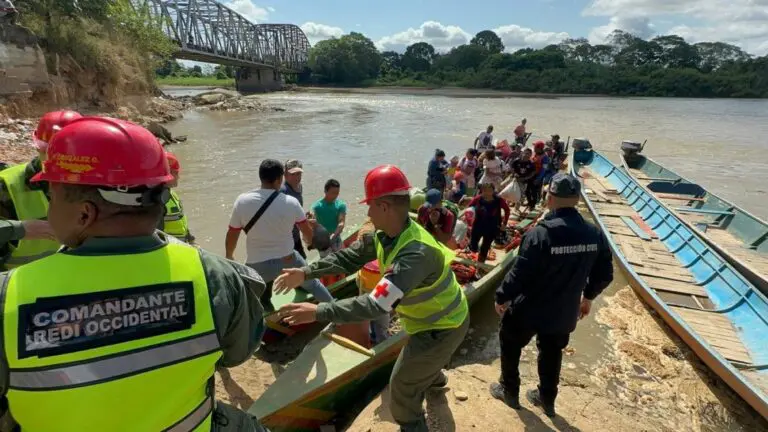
106, 295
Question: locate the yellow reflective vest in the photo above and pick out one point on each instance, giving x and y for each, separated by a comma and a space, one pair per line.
29, 204
175, 221
111, 343
439, 306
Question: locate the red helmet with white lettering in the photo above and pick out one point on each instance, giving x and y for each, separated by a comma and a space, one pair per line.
102, 151
51, 123
385, 180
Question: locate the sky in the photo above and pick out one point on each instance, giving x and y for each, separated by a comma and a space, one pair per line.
395, 24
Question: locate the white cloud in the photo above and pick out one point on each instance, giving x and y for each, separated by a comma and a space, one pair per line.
316, 32
270, 9
638, 26
444, 37
516, 37
741, 22
440, 36
249, 10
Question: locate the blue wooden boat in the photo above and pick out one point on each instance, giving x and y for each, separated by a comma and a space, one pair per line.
714, 309
740, 237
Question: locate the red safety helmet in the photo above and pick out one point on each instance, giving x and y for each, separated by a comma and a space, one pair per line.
385, 180
173, 162
102, 151
51, 123
539, 145
459, 176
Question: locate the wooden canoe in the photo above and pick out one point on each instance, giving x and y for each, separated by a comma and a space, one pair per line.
714, 309
334, 378
339, 287
737, 235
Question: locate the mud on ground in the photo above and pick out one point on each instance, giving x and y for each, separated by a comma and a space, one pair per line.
645, 380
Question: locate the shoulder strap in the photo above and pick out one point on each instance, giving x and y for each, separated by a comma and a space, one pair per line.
260, 212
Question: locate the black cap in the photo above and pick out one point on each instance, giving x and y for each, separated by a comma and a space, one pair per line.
564, 186
439, 153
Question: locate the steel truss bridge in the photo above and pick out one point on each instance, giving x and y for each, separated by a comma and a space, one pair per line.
208, 31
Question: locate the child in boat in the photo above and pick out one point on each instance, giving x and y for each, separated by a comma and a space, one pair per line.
467, 166
488, 221
493, 171
452, 168
458, 187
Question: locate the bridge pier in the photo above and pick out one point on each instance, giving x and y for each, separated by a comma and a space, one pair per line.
258, 80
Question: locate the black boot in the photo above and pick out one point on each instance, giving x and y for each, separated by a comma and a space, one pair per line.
534, 397
510, 398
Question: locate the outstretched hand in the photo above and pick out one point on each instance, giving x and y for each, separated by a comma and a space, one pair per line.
298, 313
288, 280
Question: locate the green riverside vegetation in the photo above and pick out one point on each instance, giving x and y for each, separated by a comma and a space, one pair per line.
625, 66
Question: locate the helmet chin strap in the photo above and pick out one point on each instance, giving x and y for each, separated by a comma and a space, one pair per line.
144, 196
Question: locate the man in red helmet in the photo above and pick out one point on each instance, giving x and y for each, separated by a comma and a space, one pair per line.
125, 325
417, 283
24, 234
174, 221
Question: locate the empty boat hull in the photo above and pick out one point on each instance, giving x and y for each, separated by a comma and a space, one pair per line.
739, 236
715, 310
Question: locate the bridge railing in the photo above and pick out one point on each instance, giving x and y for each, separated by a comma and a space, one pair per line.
209, 31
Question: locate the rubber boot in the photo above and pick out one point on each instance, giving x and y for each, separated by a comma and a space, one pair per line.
418, 426
510, 398
534, 397
441, 382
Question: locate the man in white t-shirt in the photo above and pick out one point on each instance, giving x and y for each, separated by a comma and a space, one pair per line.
484, 140
268, 217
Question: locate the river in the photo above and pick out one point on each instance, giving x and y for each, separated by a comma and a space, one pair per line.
719, 143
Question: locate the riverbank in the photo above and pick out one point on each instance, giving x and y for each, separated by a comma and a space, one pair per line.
456, 92
207, 81
152, 113
624, 370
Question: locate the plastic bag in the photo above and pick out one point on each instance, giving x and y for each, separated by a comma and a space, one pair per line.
513, 193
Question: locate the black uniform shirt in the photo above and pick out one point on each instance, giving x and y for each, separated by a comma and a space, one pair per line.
563, 257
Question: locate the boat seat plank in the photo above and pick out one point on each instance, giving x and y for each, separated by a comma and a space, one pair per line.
601, 195
648, 270
631, 255
704, 211
679, 197
635, 227
616, 212
661, 284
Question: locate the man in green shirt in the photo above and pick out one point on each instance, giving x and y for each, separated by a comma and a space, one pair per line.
417, 283
331, 213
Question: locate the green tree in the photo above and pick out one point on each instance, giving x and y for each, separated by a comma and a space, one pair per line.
351, 59
419, 57
488, 40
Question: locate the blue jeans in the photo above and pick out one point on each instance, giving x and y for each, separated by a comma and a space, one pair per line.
271, 269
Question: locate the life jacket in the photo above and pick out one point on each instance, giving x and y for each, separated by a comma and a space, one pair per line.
28, 204
111, 343
175, 221
441, 305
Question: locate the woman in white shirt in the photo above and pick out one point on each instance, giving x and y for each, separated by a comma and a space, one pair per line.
493, 171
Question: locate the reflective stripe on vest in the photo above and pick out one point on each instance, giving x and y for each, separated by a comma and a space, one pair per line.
441, 305
100, 352
175, 221
29, 204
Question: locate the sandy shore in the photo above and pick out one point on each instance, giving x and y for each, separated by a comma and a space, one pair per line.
623, 371
456, 92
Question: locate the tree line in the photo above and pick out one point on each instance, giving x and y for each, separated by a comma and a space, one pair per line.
626, 65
